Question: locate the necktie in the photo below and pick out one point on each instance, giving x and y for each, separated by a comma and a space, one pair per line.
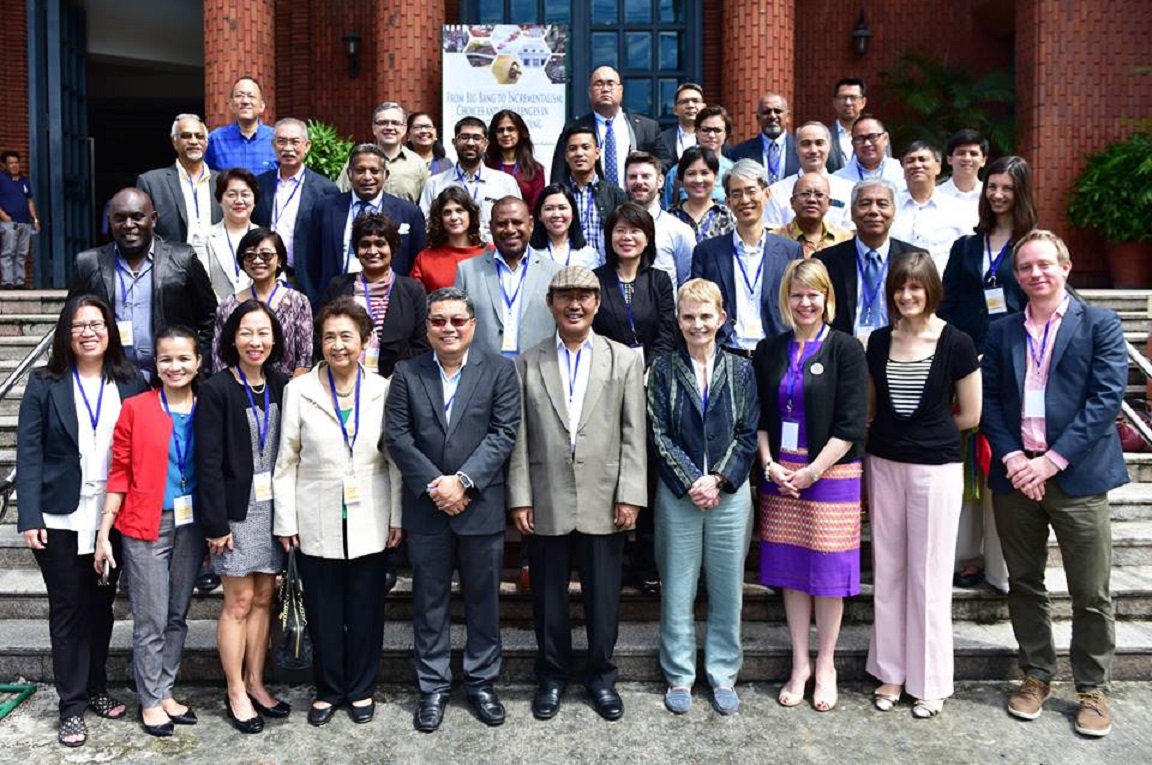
360, 206
871, 280
610, 171
773, 162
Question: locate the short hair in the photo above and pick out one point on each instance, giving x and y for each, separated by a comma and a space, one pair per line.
345, 306
869, 116
176, 332
367, 148
539, 238
869, 183
808, 273
715, 111
5, 156
694, 154
384, 106
855, 82
446, 294
700, 291
635, 215
292, 121
643, 158
254, 81
469, 121
258, 236
237, 174
966, 137
376, 224
62, 359
922, 145
687, 86
437, 236
914, 266
1043, 235
745, 170
228, 354
174, 132
579, 130
1024, 217
819, 124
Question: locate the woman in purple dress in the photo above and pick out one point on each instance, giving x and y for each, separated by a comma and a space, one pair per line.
813, 384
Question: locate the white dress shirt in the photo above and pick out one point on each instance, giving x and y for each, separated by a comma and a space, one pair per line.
880, 306
932, 226
351, 262
285, 207
197, 205
684, 141
511, 288
449, 385
623, 136
675, 241
970, 200
486, 186
844, 139
574, 371
889, 170
569, 256
778, 212
749, 323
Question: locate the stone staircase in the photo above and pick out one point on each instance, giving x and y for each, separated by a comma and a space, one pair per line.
985, 648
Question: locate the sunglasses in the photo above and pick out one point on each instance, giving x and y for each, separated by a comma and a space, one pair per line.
457, 321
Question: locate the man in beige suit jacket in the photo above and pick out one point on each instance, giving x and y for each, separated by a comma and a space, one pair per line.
576, 482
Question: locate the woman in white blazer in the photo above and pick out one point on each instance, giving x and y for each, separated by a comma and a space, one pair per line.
237, 191
337, 499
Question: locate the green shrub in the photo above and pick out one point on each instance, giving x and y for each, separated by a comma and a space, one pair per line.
1113, 194
329, 149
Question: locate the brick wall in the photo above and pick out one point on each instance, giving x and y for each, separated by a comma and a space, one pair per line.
756, 55
239, 39
408, 63
14, 83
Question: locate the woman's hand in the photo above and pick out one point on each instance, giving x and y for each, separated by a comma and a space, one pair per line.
290, 543
783, 478
803, 478
103, 553
705, 492
36, 539
218, 545
395, 534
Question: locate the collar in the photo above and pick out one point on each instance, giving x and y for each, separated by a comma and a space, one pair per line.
463, 363
590, 186
882, 250
374, 202
795, 232
477, 177
255, 133
149, 257
205, 173
585, 345
779, 140
601, 120
1061, 309
738, 242
500, 257
402, 155
906, 200
297, 178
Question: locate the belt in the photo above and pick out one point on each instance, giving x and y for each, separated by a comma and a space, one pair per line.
739, 352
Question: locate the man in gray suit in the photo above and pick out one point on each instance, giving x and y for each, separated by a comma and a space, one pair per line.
452, 417
509, 285
576, 483
184, 194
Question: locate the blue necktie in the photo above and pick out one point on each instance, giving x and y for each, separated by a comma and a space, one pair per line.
871, 282
773, 162
611, 173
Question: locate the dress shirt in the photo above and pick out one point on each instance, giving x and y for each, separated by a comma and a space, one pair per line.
197, 194
580, 256
675, 241
933, 226
449, 385
134, 304
407, 175
574, 371
749, 322
889, 170
779, 210
844, 138
829, 235
1034, 430
781, 157
511, 280
684, 141
228, 148
285, 207
374, 205
623, 141
880, 307
970, 200
590, 222
486, 186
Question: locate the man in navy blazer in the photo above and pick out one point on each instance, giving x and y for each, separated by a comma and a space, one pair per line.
1054, 378
453, 415
329, 245
289, 193
774, 148
747, 264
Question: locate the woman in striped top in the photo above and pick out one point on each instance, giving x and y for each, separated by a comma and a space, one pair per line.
925, 389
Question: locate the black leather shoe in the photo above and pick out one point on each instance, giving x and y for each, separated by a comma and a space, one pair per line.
364, 714
160, 731
321, 715
207, 582
487, 706
188, 718
279, 710
546, 702
430, 711
608, 703
389, 581
251, 725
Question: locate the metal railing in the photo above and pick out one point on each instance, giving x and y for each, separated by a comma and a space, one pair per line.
8, 483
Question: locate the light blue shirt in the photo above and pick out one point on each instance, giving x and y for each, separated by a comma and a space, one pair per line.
880, 307
133, 303
172, 489
717, 190
449, 385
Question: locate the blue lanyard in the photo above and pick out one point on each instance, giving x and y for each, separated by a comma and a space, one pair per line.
567, 259
867, 301
993, 265
232, 248
256, 412
349, 442
122, 269
276, 214
796, 363
181, 448
588, 206
509, 301
274, 291
464, 180
195, 196
94, 418
628, 309
573, 372
749, 283
368, 299
367, 208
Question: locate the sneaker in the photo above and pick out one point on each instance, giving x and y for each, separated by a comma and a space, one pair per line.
725, 701
1093, 719
1028, 701
678, 700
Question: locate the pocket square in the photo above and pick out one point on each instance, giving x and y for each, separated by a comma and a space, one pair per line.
404, 229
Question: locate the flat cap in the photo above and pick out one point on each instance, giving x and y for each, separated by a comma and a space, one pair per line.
574, 278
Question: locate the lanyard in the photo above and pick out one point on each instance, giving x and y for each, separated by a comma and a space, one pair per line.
256, 412
368, 299
270, 297
567, 258
349, 442
181, 448
509, 301
464, 180
122, 269
749, 283
297, 183
573, 372
232, 248
867, 301
195, 197
448, 381
628, 309
993, 265
796, 363
94, 418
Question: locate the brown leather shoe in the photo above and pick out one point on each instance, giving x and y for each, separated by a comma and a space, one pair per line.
524, 580
1028, 701
1093, 719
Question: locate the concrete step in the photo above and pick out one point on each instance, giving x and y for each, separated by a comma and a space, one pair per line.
10, 404
1119, 300
36, 324
14, 348
1139, 466
1135, 321
32, 301
982, 652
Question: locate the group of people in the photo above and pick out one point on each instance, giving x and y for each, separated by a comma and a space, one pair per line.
588, 364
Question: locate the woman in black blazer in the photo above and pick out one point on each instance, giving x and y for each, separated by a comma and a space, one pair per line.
237, 439
63, 441
397, 304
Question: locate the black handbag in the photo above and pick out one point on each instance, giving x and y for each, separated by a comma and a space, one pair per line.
293, 645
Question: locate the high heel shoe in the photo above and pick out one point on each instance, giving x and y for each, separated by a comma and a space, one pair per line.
251, 725
825, 702
789, 699
886, 702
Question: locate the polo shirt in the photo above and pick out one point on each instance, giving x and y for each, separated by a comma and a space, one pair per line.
14, 196
228, 148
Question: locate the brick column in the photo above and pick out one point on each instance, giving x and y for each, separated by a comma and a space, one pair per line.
239, 39
408, 53
759, 38
14, 83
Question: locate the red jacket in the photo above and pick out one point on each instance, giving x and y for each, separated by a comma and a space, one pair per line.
139, 468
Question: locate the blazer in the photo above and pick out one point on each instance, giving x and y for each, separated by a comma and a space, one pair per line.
836, 158
666, 143
325, 255
713, 260
754, 150
651, 322
476, 442
1087, 375
224, 450
684, 438
48, 450
314, 187
139, 466
404, 331
644, 132
181, 291
963, 305
840, 260
577, 492
835, 400
308, 483
163, 187
477, 276
220, 263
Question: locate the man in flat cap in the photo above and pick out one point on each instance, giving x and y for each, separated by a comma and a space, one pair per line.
582, 487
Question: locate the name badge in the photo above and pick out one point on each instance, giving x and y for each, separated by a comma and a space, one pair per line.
262, 486
351, 490
790, 436
994, 300
507, 343
126, 334
1033, 403
182, 510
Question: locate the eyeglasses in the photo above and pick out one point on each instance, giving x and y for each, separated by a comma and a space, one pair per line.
860, 140
750, 193
689, 100
849, 99
190, 136
95, 327
387, 123
294, 142
456, 321
711, 130
244, 96
423, 127
266, 256
605, 85
471, 138
775, 112
237, 195
819, 196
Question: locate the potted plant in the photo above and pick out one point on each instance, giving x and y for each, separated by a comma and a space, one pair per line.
329, 149
1113, 195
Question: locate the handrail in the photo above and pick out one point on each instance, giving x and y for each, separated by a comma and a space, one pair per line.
8, 483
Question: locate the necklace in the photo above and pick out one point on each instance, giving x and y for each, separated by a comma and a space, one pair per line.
258, 388
346, 393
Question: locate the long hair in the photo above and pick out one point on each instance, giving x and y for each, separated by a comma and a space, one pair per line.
525, 152
539, 238
116, 365
438, 151
1023, 209
437, 236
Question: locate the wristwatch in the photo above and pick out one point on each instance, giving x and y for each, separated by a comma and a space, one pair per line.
466, 482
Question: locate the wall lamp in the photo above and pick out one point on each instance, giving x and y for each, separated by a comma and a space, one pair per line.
861, 36
352, 50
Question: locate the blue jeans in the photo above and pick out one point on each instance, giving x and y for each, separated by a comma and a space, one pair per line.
718, 539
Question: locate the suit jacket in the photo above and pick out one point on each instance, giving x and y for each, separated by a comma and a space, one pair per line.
315, 187
836, 158
163, 187
645, 133
181, 291
754, 150
713, 260
477, 441
48, 450
652, 320
840, 260
404, 331
963, 305
1087, 375
477, 276
326, 254
577, 492
666, 143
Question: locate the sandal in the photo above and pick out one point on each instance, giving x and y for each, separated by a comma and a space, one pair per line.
70, 728
104, 706
885, 702
822, 702
924, 709
789, 699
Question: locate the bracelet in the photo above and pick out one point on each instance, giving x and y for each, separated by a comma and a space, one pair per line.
813, 477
